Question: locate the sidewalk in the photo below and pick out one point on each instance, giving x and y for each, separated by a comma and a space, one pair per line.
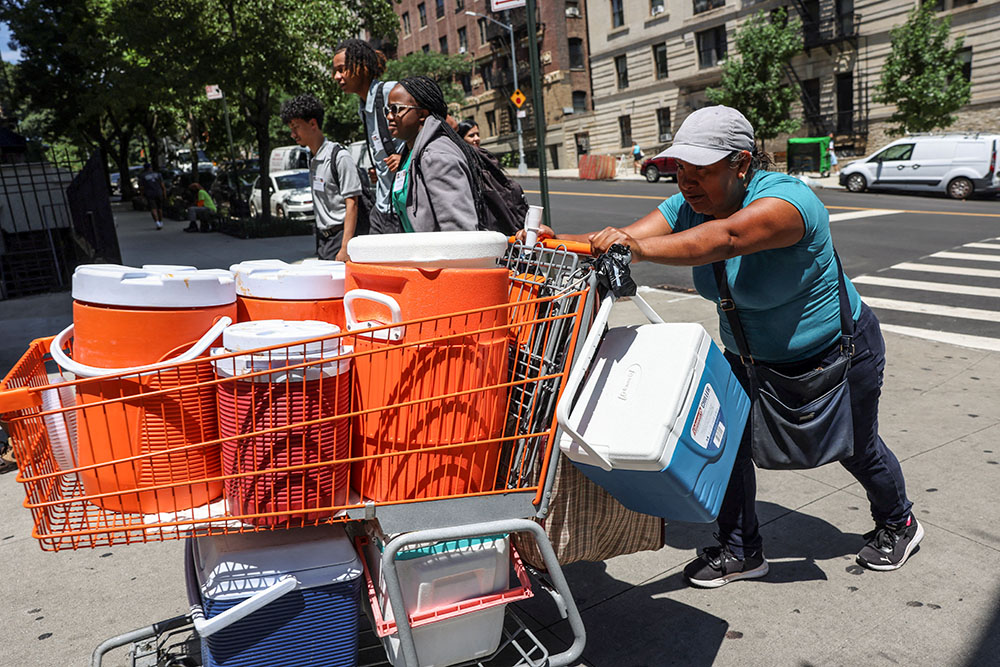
816, 607
814, 180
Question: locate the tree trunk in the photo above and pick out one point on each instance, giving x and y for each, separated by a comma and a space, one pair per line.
120, 156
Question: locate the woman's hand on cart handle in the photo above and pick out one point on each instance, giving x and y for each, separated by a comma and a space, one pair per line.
544, 232
607, 237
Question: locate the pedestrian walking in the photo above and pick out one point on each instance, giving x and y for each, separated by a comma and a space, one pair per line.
357, 67
439, 185
764, 238
332, 173
202, 210
155, 192
636, 158
833, 156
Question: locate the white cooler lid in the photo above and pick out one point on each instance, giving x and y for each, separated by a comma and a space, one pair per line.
637, 394
266, 333
469, 250
153, 286
239, 565
277, 279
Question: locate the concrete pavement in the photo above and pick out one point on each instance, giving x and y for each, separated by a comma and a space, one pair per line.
816, 607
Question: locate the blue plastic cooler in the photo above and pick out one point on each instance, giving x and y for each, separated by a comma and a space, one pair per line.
658, 421
270, 599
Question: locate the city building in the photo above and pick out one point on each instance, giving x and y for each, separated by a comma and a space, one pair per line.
651, 61
449, 26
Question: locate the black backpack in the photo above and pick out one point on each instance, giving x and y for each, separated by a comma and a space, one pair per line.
503, 198
366, 199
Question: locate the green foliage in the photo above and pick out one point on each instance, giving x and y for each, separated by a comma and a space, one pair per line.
755, 82
441, 67
922, 76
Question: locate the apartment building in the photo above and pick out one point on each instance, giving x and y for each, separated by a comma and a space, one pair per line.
447, 27
651, 61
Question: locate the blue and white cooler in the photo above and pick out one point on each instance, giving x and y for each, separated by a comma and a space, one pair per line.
659, 418
281, 598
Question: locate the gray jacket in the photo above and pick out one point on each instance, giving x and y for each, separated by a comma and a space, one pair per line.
440, 197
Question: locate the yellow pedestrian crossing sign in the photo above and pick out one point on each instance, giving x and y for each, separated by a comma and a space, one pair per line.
518, 98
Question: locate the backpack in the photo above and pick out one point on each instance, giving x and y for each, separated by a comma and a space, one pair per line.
366, 199
503, 199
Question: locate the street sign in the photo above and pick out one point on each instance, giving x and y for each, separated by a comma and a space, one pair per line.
518, 98
500, 5
213, 92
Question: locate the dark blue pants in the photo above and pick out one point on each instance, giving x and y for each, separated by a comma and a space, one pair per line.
872, 463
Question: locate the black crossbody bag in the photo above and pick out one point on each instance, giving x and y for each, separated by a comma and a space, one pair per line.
802, 421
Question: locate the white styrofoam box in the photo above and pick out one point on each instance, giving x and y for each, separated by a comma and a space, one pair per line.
153, 286
276, 279
466, 250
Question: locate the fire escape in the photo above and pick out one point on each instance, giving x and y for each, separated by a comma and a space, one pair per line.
502, 79
834, 27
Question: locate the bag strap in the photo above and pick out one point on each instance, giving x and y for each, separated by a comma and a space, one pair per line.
729, 308
333, 163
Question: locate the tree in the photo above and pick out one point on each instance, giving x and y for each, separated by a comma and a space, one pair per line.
923, 76
755, 82
441, 67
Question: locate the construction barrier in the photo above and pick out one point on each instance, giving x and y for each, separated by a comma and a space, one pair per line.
598, 167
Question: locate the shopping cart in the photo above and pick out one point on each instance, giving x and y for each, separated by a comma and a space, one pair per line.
136, 456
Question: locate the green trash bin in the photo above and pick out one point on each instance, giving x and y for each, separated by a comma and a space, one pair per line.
809, 154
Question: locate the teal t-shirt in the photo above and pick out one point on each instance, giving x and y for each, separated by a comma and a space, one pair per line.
400, 191
787, 297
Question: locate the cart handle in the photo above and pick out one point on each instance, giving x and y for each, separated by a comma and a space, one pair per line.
564, 408
208, 627
575, 247
81, 370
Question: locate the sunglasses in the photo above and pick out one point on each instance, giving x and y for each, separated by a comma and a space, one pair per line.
394, 109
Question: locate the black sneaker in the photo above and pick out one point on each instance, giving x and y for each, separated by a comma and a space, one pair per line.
717, 566
889, 547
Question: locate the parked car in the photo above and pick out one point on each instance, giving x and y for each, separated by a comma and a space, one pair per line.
205, 164
116, 186
289, 157
659, 165
960, 165
291, 196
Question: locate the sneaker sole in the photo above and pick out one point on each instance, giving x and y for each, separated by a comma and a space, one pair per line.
917, 537
755, 573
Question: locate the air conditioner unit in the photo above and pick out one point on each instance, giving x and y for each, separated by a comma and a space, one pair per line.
573, 12
567, 111
659, 9
666, 136
461, 49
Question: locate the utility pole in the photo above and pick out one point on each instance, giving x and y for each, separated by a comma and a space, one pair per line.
538, 104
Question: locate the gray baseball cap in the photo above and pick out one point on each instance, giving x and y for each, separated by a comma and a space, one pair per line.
710, 134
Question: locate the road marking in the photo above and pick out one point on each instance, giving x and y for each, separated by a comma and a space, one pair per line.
967, 256
933, 309
983, 246
927, 286
962, 340
864, 213
956, 270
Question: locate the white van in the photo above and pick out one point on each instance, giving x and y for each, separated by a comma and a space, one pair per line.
285, 158
961, 164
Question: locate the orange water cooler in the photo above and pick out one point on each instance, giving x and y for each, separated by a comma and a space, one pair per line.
270, 289
419, 276
124, 319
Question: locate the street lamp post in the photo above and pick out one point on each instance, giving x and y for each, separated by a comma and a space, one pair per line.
522, 166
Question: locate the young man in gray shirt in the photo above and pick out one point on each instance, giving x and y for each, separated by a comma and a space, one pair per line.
333, 177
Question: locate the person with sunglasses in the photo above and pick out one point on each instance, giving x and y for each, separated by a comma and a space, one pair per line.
438, 187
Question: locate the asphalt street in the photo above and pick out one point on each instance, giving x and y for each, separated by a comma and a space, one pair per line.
928, 265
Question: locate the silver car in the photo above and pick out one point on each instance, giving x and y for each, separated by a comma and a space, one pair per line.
291, 196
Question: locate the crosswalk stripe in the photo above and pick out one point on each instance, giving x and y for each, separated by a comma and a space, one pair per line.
983, 246
967, 256
870, 213
955, 270
963, 340
925, 286
933, 309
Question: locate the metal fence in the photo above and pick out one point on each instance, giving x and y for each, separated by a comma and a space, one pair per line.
55, 214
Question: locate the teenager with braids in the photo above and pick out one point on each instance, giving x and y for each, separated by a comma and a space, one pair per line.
438, 186
357, 67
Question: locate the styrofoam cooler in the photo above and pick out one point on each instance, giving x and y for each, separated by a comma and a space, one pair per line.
658, 421
276, 598
435, 577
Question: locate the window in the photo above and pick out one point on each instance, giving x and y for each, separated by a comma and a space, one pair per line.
810, 95
660, 59
443, 44
621, 68
406, 23
704, 5
625, 130
491, 122
459, 5
463, 40
965, 55
579, 101
422, 11
482, 32
439, 8
617, 13
573, 8
897, 152
486, 71
656, 7
576, 59
426, 48
466, 81
711, 46
663, 123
